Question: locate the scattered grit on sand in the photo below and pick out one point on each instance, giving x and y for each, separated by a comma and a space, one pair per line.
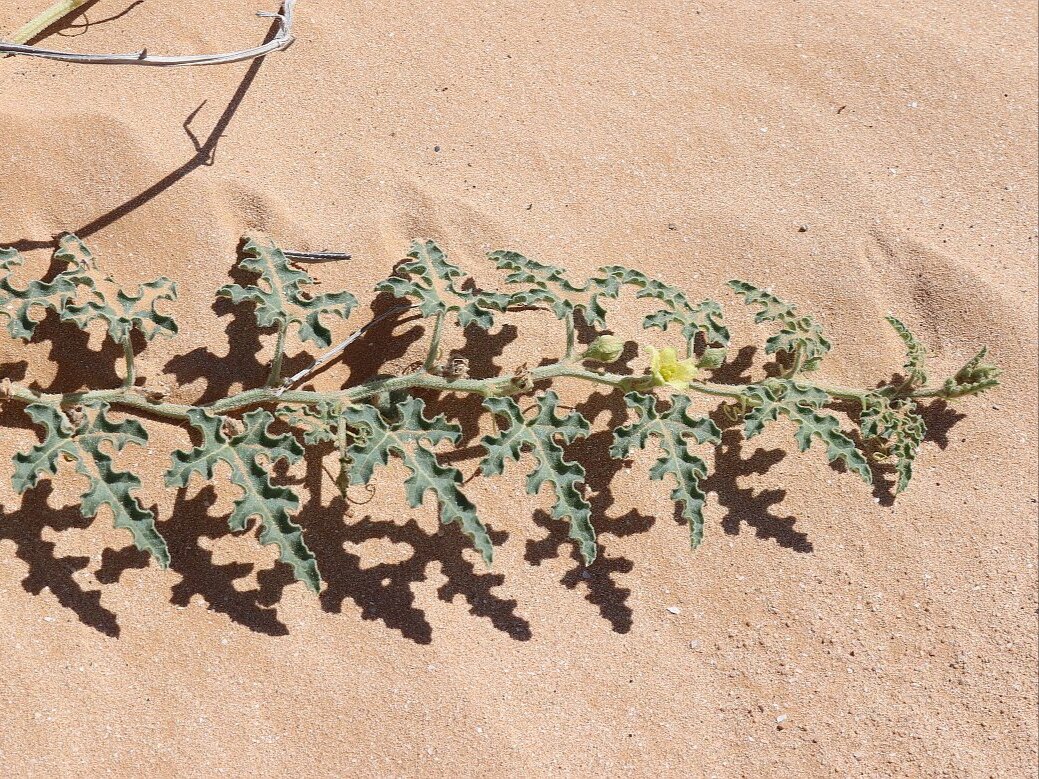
816, 633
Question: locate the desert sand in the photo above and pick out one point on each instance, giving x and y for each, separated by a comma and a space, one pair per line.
819, 631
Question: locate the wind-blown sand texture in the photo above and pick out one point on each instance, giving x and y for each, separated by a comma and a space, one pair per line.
692, 140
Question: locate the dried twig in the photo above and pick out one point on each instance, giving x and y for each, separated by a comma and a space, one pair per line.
282, 39
338, 349
316, 256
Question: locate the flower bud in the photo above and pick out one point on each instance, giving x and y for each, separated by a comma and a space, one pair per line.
712, 358
605, 348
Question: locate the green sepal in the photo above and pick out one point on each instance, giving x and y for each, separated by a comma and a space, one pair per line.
547, 285
916, 354
375, 437
251, 455
803, 405
282, 297
692, 318
676, 431
797, 333
81, 442
896, 423
17, 303
538, 434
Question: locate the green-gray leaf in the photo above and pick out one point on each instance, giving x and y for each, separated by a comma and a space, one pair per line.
548, 285
251, 455
82, 443
101, 297
798, 334
676, 431
538, 434
375, 438
897, 424
282, 297
17, 303
803, 405
916, 355
692, 318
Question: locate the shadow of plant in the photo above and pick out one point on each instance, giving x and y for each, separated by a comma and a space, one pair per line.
25, 527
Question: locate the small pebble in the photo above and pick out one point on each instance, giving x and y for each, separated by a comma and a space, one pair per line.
436, 148
674, 610
802, 229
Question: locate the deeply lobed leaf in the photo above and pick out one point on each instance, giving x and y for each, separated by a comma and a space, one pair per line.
250, 455
282, 296
438, 287
405, 435
802, 404
17, 304
798, 335
540, 435
916, 355
547, 285
82, 442
703, 317
100, 297
899, 427
676, 432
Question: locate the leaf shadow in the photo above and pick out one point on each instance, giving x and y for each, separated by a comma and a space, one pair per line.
200, 576
240, 365
383, 590
47, 571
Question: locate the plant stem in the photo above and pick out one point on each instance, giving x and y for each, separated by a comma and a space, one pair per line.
43, 20
131, 376
434, 343
571, 336
134, 398
274, 379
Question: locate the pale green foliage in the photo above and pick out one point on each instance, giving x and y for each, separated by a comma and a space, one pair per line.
81, 293
548, 285
900, 429
367, 424
431, 280
692, 318
915, 365
84, 442
19, 303
101, 297
250, 455
973, 378
676, 431
318, 423
540, 434
282, 297
404, 435
802, 404
798, 334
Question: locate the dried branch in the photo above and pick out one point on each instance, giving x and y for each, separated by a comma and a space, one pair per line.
281, 40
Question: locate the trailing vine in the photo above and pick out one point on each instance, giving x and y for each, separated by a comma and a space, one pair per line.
371, 422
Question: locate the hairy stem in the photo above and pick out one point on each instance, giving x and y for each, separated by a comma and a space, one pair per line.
274, 379
434, 343
43, 20
571, 336
128, 355
134, 398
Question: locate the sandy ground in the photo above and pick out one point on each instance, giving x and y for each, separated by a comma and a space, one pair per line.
818, 632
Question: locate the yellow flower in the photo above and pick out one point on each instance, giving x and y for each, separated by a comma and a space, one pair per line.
666, 368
